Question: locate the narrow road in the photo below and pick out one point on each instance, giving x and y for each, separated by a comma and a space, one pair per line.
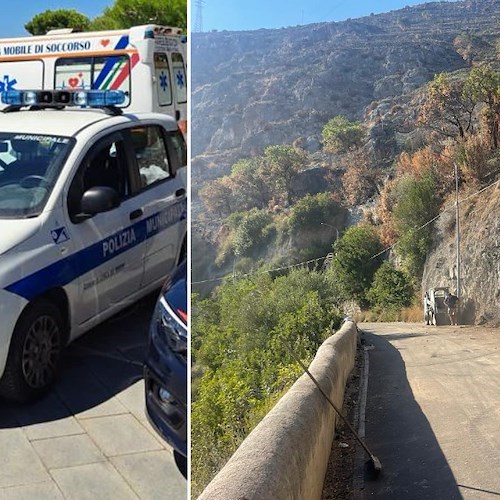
433, 411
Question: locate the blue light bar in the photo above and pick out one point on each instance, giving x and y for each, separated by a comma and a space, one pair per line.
18, 98
81, 98
98, 98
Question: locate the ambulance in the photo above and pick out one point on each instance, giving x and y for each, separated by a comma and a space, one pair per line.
147, 62
93, 210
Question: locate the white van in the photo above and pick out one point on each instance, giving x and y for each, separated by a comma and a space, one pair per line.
146, 62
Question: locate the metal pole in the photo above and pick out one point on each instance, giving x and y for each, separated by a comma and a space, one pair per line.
457, 225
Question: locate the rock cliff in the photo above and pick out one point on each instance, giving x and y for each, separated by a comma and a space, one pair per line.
257, 88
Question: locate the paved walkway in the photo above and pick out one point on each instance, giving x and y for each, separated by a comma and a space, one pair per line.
433, 411
90, 439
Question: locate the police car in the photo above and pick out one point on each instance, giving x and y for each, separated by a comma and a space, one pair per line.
92, 217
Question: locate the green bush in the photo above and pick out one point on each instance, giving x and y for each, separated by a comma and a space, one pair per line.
311, 210
252, 232
391, 288
340, 135
238, 340
354, 263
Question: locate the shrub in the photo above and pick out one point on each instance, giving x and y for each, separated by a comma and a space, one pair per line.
354, 263
340, 135
238, 340
391, 288
311, 210
252, 232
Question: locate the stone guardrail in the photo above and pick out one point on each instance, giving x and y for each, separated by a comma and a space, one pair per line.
286, 455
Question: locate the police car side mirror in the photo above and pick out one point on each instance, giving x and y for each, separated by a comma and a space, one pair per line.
97, 200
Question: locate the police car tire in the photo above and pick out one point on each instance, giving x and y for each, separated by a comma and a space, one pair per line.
183, 253
15, 383
181, 462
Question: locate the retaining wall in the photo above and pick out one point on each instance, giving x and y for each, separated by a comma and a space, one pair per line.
285, 457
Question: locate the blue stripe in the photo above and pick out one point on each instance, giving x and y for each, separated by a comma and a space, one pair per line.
66, 270
110, 62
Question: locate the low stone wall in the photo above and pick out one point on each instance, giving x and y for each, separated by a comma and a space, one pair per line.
286, 455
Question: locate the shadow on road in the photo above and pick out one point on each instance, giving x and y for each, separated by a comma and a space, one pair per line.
399, 434
97, 366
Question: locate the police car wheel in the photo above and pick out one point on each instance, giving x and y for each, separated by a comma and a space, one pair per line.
183, 254
35, 352
181, 462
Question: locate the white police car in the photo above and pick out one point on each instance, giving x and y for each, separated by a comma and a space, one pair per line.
92, 217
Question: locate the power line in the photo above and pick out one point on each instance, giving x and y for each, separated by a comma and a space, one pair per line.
246, 275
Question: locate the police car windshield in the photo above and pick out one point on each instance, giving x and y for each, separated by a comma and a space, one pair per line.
29, 167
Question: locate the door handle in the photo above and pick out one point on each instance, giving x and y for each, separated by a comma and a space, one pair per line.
180, 192
136, 213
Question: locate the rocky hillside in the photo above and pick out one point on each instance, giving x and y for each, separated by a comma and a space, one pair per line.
257, 88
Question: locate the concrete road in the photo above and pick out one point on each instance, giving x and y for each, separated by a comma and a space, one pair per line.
433, 411
89, 438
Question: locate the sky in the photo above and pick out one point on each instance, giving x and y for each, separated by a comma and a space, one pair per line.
235, 15
232, 15
16, 13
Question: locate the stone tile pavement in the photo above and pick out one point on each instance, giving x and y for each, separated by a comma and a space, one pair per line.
90, 438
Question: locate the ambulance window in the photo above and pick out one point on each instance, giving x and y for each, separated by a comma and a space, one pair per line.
73, 73
22, 75
163, 83
151, 155
102, 73
179, 71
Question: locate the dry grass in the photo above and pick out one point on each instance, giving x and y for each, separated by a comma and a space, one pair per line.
411, 314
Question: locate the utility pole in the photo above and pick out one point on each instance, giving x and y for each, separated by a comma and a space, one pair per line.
457, 226
198, 21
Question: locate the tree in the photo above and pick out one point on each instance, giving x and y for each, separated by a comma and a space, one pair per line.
354, 262
360, 179
483, 84
251, 231
56, 19
311, 210
447, 108
340, 135
127, 13
217, 196
391, 288
417, 203
252, 189
280, 167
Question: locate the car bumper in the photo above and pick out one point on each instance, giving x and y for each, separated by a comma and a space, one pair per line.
165, 378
